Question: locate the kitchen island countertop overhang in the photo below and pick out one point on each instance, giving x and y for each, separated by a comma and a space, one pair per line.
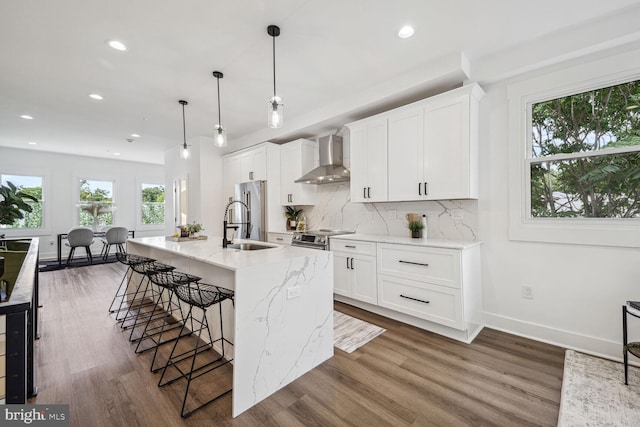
278, 333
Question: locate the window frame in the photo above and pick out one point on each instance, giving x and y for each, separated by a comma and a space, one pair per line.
45, 229
76, 214
139, 224
521, 95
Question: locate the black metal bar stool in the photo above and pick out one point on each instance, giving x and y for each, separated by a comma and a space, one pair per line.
144, 293
201, 296
121, 293
166, 282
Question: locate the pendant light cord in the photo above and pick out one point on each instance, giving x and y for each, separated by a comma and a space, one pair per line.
184, 129
219, 119
274, 65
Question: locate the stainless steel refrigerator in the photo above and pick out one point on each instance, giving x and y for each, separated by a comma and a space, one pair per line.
253, 194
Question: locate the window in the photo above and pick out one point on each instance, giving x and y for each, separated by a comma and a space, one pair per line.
152, 203
33, 186
584, 160
96, 203
574, 147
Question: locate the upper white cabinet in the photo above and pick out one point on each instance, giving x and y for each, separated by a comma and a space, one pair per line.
368, 139
296, 159
242, 166
430, 150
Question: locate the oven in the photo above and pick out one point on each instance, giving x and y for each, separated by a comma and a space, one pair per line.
315, 239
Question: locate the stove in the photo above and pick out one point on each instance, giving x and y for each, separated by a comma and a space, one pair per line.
318, 239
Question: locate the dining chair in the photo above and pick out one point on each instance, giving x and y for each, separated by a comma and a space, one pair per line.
79, 237
114, 236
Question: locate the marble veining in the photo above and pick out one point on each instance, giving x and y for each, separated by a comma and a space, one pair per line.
446, 219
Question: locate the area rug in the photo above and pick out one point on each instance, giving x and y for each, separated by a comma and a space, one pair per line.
594, 394
350, 333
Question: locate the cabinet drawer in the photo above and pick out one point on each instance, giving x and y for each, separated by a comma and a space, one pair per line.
279, 238
353, 246
435, 303
434, 265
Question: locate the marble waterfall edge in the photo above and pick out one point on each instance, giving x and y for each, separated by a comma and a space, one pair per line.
289, 335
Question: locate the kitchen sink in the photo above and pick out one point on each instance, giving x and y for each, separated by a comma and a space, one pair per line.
249, 246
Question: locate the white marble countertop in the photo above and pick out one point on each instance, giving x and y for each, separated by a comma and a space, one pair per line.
406, 240
210, 251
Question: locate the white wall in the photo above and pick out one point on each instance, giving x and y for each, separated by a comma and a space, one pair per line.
62, 173
578, 289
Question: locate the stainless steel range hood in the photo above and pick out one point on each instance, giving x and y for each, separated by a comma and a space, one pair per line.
331, 169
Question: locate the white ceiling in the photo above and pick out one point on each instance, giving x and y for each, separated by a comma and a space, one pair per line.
337, 60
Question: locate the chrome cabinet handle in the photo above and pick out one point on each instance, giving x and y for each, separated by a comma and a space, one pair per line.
414, 299
279, 239
414, 263
350, 246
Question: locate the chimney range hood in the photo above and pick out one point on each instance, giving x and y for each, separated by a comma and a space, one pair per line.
331, 169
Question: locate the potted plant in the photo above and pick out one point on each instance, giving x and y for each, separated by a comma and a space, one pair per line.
194, 229
416, 227
13, 204
292, 217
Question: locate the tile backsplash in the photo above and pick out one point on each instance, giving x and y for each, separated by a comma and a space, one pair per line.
446, 219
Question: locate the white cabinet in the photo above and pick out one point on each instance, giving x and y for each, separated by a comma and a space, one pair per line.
423, 282
279, 238
242, 166
368, 156
296, 159
354, 266
427, 150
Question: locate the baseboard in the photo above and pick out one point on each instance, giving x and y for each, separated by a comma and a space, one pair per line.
579, 342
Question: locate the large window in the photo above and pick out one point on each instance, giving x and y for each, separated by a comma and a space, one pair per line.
96, 203
152, 204
33, 186
584, 160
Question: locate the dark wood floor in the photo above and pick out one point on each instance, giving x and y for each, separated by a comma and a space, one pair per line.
406, 376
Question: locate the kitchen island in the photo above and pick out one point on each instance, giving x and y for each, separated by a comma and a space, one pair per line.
282, 324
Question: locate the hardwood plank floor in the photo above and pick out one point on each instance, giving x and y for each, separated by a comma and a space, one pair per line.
405, 377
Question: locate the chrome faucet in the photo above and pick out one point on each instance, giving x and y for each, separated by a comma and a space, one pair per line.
226, 226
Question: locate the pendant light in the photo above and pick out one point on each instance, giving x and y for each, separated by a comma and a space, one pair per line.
185, 153
221, 134
275, 115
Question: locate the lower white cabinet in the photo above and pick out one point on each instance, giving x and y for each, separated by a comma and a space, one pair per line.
436, 288
354, 267
279, 238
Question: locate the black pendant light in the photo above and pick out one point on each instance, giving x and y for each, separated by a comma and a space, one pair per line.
221, 134
275, 115
185, 153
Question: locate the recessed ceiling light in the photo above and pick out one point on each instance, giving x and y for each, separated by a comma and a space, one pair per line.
32, 143
96, 96
117, 45
135, 135
116, 154
26, 117
406, 32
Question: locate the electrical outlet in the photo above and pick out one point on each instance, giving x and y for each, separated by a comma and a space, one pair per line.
293, 292
392, 213
527, 292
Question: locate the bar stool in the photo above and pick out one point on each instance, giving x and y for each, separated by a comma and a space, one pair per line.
166, 281
202, 296
145, 269
128, 260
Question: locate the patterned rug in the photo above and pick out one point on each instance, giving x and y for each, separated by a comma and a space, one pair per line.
350, 333
594, 394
